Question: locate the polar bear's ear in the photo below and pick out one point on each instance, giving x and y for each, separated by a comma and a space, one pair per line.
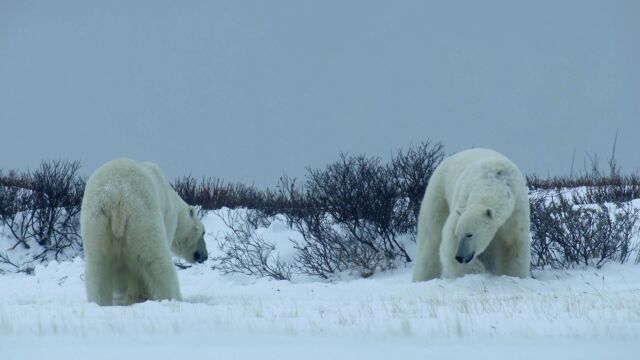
489, 213
192, 211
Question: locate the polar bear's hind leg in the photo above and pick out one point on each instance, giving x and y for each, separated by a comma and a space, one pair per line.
98, 277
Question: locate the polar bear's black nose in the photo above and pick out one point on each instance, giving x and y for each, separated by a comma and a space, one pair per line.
465, 260
197, 256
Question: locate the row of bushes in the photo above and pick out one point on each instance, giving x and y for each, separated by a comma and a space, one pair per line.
356, 214
599, 185
40, 209
595, 190
563, 236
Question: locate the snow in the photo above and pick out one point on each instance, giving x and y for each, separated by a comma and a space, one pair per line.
577, 314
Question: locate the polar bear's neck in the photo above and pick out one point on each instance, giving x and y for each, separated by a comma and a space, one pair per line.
182, 209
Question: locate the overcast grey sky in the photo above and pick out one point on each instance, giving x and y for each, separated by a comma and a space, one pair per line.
247, 90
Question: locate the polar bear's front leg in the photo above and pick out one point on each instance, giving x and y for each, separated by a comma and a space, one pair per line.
451, 268
513, 256
427, 261
162, 280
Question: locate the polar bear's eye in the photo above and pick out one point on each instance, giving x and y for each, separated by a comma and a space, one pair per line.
489, 213
468, 235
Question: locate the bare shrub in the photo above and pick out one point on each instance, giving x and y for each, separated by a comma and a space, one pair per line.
212, 194
42, 208
289, 199
354, 214
25, 267
359, 193
411, 172
348, 220
596, 189
246, 252
14, 190
621, 189
57, 195
327, 249
600, 185
566, 235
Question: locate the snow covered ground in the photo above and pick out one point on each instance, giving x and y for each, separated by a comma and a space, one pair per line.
577, 314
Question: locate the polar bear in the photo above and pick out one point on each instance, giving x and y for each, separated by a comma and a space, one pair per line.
131, 220
474, 217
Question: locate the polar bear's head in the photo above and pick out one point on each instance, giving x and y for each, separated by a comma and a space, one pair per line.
476, 227
189, 239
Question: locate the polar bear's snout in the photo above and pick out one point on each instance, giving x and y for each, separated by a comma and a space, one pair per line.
200, 257
200, 253
464, 260
465, 251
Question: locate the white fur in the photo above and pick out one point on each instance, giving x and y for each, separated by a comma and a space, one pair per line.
131, 221
476, 203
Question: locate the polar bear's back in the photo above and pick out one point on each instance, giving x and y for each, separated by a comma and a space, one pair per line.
117, 178
118, 190
455, 164
470, 168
